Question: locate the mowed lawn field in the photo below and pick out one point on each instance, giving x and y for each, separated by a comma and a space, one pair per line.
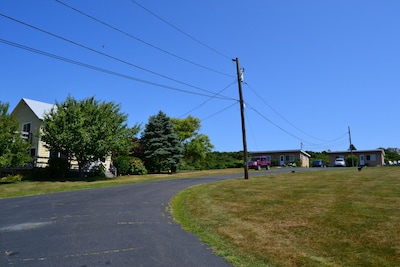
339, 217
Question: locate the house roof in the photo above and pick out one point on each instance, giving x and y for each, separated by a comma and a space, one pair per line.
357, 151
37, 107
281, 151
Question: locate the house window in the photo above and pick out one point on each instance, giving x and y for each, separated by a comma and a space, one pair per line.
26, 131
371, 157
53, 154
26, 127
290, 158
32, 152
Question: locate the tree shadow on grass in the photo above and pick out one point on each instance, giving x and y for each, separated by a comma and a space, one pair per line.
47, 175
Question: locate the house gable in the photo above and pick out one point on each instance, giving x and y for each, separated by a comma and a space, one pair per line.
30, 113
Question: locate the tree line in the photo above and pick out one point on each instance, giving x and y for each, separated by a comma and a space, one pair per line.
87, 130
84, 131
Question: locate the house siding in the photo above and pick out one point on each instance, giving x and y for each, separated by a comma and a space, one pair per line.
289, 156
25, 115
371, 157
34, 114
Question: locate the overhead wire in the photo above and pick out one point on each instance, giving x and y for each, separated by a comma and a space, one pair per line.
287, 121
273, 123
40, 52
340, 141
218, 112
307, 142
179, 30
141, 40
209, 99
283, 118
104, 54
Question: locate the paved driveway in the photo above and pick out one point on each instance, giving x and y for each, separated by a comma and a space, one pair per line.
116, 226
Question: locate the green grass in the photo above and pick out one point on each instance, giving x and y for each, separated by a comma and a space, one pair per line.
28, 188
322, 218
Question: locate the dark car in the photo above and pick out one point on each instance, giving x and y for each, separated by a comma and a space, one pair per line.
318, 163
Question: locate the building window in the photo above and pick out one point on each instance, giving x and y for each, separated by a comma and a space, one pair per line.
26, 131
26, 127
53, 154
32, 152
371, 157
290, 158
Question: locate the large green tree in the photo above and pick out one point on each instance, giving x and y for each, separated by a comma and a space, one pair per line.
14, 151
87, 130
161, 148
196, 145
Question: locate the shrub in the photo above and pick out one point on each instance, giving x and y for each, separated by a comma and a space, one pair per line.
349, 161
58, 168
122, 164
137, 166
10, 179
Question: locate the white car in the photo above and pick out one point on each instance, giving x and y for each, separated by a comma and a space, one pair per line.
339, 162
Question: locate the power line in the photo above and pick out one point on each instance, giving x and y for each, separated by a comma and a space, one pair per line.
273, 123
291, 134
181, 31
276, 112
218, 112
209, 99
40, 52
142, 41
104, 54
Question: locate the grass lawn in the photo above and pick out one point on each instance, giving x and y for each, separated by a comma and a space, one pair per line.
338, 217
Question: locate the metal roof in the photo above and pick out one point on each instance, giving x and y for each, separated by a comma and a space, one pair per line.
39, 108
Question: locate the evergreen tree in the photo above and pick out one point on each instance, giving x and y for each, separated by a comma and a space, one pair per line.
162, 150
14, 151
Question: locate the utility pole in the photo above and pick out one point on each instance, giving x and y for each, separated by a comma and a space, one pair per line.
351, 148
240, 80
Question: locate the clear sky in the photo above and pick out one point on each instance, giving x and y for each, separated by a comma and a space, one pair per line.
312, 68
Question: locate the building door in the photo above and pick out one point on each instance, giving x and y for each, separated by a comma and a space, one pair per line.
362, 160
281, 160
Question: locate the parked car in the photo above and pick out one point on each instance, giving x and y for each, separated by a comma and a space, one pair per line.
259, 162
318, 163
339, 162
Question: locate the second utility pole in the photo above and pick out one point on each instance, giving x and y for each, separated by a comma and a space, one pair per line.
240, 80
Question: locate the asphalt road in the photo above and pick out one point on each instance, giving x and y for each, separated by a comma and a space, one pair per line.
126, 225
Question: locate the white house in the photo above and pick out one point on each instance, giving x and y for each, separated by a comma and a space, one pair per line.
30, 114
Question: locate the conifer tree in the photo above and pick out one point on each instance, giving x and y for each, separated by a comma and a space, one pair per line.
161, 146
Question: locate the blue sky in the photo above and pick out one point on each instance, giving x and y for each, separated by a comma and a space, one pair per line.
312, 68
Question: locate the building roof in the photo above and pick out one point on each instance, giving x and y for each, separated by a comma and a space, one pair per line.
357, 151
37, 107
281, 151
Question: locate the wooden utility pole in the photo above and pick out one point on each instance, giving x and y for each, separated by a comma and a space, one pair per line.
240, 80
351, 148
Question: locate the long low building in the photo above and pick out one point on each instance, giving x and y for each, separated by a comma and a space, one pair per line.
285, 157
374, 157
